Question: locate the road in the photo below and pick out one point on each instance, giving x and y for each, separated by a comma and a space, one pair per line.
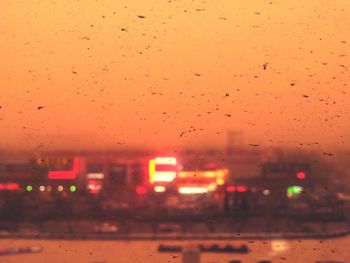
146, 251
195, 229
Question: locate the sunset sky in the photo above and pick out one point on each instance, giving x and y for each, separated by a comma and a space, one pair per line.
97, 74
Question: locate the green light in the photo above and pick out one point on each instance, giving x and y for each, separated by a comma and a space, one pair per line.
29, 188
294, 190
72, 188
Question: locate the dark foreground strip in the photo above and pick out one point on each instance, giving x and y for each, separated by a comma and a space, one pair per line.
175, 236
214, 248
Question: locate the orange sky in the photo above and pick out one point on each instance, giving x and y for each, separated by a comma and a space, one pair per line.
107, 77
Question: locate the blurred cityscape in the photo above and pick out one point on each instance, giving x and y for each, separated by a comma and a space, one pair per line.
208, 191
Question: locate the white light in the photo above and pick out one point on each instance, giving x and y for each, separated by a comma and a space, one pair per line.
166, 176
298, 189
266, 192
193, 190
165, 160
60, 188
159, 189
41, 188
279, 246
95, 175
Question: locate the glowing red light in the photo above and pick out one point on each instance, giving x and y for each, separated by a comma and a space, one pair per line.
141, 190
2, 187
230, 188
94, 186
62, 175
12, 186
94, 191
76, 165
165, 167
67, 174
301, 175
241, 189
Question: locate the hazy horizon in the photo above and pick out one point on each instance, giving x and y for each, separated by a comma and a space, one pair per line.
173, 74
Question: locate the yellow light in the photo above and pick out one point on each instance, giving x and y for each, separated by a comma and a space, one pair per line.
220, 181
151, 170
184, 174
161, 176
218, 175
211, 187
210, 174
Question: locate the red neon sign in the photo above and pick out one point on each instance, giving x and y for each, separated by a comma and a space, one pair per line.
65, 175
12, 186
230, 188
9, 186
62, 175
241, 189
